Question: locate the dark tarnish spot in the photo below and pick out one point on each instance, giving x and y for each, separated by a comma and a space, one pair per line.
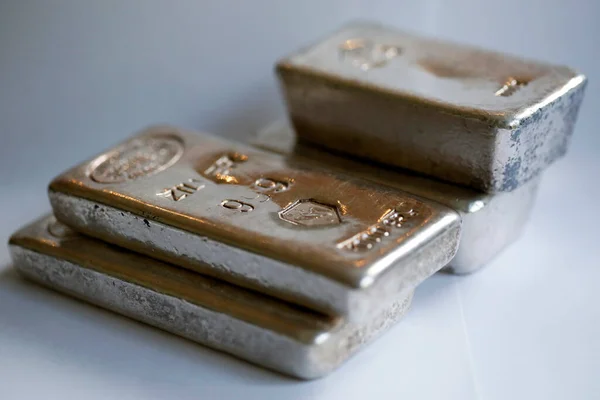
515, 136
511, 173
540, 114
537, 117
147, 223
96, 206
573, 110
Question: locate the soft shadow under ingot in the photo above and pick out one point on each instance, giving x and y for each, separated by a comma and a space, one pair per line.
490, 222
254, 327
477, 118
303, 233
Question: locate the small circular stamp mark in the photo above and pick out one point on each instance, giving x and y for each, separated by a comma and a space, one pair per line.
139, 157
60, 230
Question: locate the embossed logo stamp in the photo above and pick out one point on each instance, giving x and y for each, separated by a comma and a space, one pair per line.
182, 190
139, 157
310, 213
373, 235
221, 170
366, 54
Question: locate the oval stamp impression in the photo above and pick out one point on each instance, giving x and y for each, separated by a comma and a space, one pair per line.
59, 230
136, 158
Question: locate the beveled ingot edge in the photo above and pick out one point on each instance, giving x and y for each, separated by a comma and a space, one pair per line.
171, 280
279, 137
506, 211
573, 80
354, 277
285, 281
305, 360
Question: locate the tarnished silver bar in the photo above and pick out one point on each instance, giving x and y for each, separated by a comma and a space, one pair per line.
305, 234
254, 327
489, 222
477, 118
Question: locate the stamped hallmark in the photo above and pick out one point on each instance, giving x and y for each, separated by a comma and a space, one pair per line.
237, 205
263, 188
182, 190
366, 54
310, 213
375, 234
137, 158
221, 170
271, 185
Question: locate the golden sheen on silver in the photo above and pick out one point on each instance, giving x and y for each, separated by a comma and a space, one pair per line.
290, 229
246, 324
468, 116
490, 222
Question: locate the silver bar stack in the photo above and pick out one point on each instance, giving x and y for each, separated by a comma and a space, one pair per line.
400, 156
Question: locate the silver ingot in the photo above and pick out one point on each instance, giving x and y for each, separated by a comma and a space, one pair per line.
248, 325
477, 118
312, 236
490, 222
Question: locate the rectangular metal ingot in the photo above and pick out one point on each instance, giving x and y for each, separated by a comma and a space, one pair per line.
312, 236
265, 331
477, 118
490, 222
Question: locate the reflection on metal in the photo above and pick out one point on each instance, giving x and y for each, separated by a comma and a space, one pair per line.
310, 213
472, 117
366, 54
276, 229
244, 323
510, 87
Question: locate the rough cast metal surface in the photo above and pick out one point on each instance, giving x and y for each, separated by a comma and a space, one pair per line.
308, 235
259, 329
478, 118
489, 222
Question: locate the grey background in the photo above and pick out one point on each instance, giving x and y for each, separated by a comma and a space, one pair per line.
79, 75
